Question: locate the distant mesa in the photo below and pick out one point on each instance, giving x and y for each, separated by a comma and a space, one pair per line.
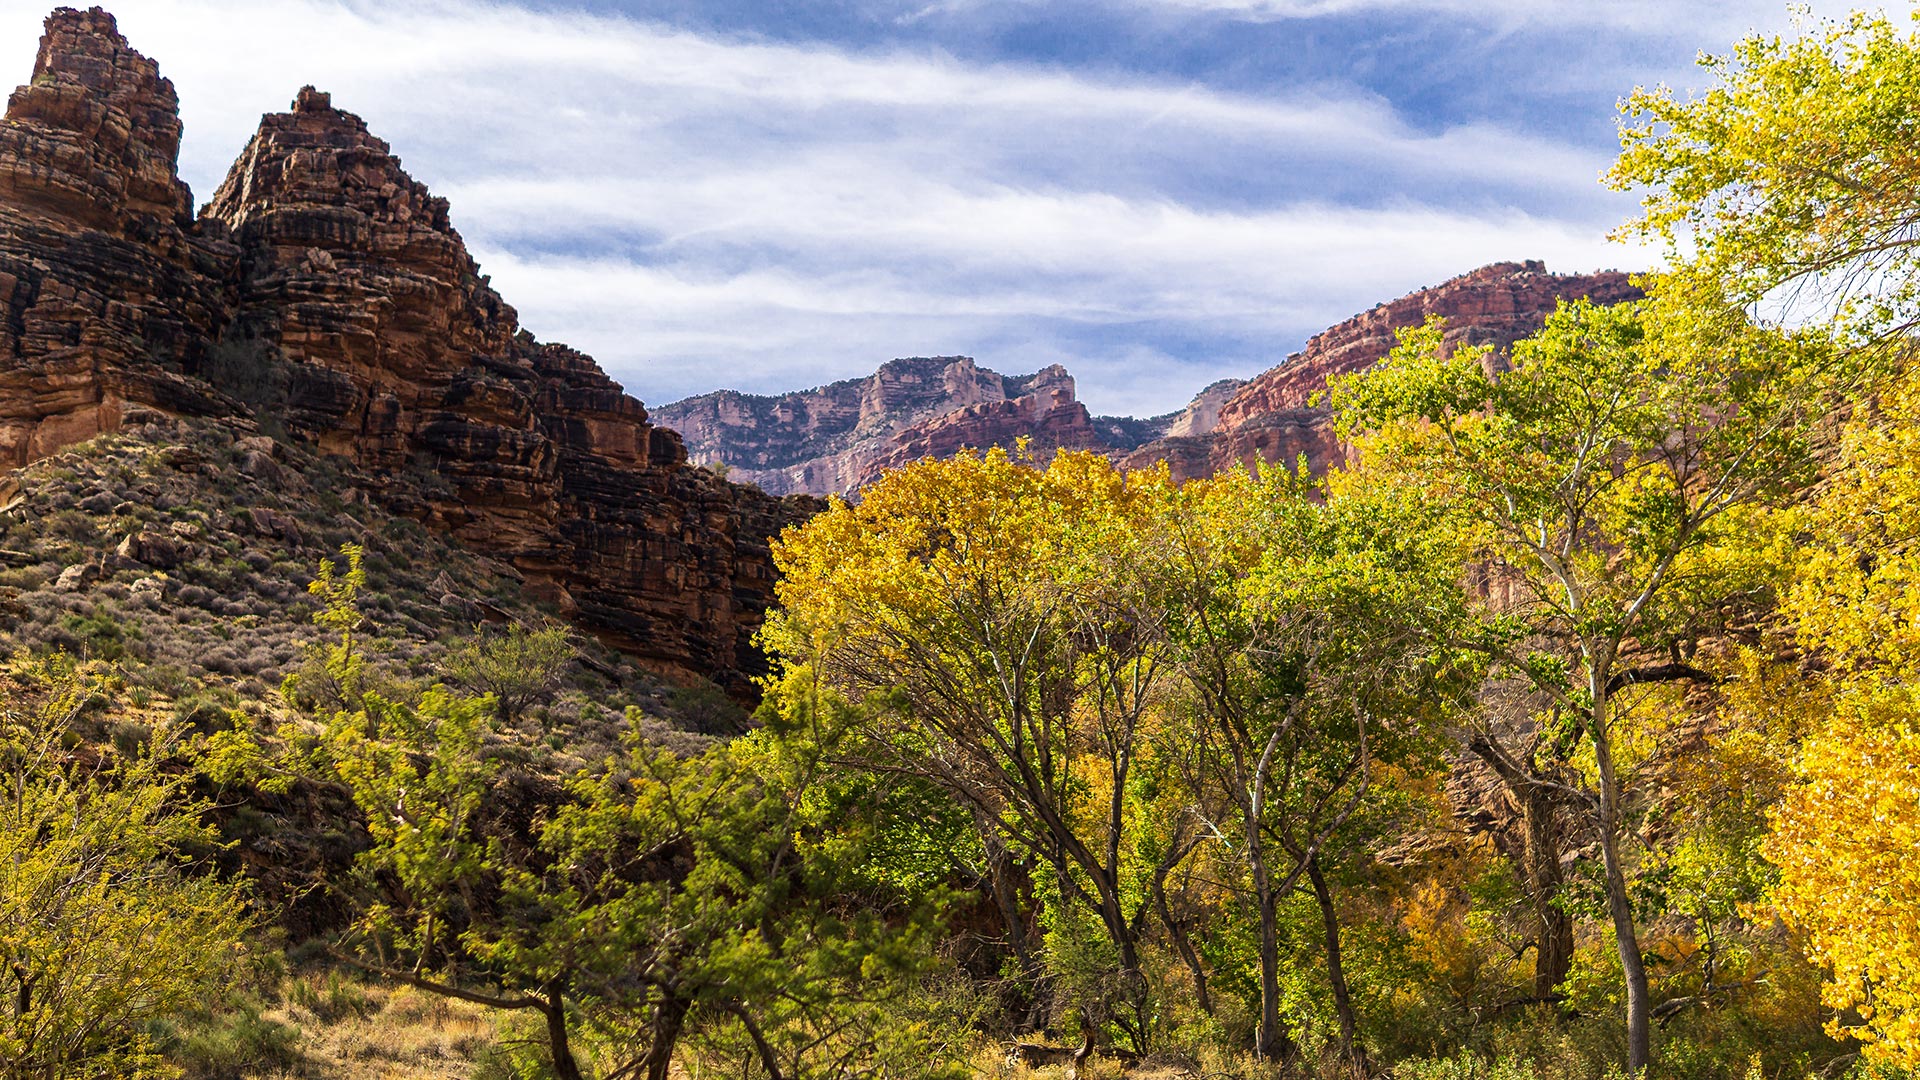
837, 438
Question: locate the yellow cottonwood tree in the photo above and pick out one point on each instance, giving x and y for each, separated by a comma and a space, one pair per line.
1790, 186
1844, 841
1846, 835
1005, 623
1622, 448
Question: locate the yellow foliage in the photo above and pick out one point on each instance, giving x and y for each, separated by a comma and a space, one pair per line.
1858, 594
1845, 840
1846, 835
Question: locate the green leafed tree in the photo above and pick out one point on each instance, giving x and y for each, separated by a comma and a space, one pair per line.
1315, 635
518, 667
1791, 179
729, 899
109, 916
1603, 477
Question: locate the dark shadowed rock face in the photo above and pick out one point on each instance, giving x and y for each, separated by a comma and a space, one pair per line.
326, 290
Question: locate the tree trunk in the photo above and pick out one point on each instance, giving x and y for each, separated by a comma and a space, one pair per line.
769, 1060
1132, 980
1553, 956
1270, 1042
1177, 930
1639, 1029
1337, 972
1537, 856
1003, 882
558, 1045
1632, 967
668, 1017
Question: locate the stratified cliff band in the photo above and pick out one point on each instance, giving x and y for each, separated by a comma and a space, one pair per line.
837, 438
325, 289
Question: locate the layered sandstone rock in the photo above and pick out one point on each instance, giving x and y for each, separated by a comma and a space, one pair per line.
836, 438
398, 354
329, 293
111, 297
1046, 415
1272, 418
840, 437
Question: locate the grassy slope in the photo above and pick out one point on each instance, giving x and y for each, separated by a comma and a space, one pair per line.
202, 615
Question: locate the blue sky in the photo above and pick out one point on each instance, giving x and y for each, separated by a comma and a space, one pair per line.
766, 196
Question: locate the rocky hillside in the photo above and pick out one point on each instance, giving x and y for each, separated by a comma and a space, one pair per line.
837, 438
325, 295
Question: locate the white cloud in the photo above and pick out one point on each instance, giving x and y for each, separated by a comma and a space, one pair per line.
699, 211
1269, 278
1710, 22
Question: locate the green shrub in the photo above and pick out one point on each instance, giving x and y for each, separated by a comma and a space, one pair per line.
235, 1045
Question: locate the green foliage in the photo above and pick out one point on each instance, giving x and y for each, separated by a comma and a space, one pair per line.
335, 673
764, 937
1792, 177
1199, 769
727, 900
518, 667
109, 917
1615, 475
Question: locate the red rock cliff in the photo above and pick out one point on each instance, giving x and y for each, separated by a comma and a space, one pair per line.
1270, 419
111, 298
330, 291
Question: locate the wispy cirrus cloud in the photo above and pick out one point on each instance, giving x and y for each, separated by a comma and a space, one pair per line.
703, 207
1711, 20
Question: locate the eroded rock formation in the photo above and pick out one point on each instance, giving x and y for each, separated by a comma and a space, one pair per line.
111, 296
1272, 419
837, 438
325, 289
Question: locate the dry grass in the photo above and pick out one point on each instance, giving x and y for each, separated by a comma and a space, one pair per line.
995, 1061
410, 1035
352, 1031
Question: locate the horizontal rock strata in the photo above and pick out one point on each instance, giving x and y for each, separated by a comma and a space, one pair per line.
1272, 417
834, 439
324, 291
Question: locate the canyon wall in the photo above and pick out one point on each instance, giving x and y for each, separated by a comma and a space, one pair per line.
324, 291
837, 438
834, 439
1272, 417
112, 297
